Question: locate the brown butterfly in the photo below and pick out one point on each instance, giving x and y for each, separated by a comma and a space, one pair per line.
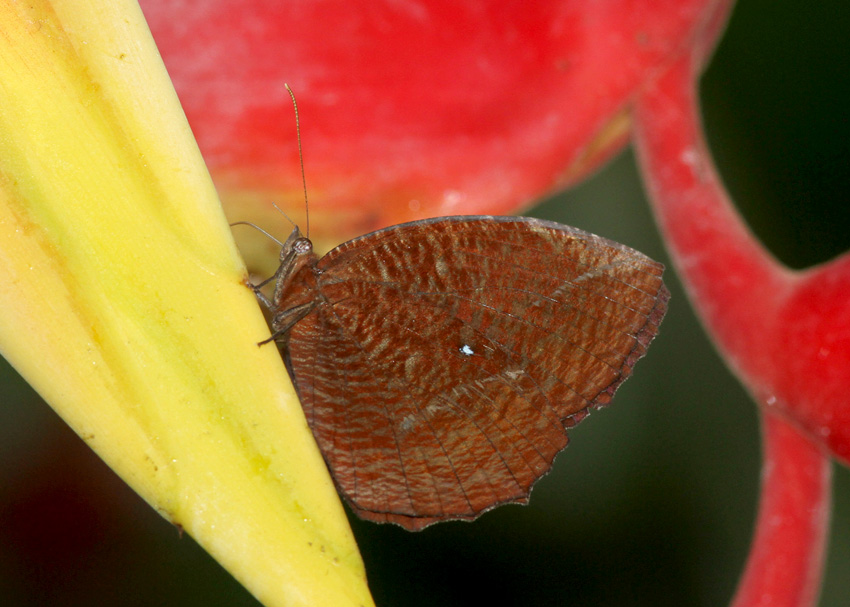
440, 362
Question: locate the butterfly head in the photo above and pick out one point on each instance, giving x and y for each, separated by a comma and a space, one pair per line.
295, 243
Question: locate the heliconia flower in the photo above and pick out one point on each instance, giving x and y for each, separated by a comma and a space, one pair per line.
429, 109
124, 304
119, 262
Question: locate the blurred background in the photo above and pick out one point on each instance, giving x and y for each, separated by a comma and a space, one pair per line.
654, 501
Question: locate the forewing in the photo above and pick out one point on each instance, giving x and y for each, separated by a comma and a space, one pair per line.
446, 358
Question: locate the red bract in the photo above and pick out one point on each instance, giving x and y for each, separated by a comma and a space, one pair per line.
409, 110
434, 108
812, 368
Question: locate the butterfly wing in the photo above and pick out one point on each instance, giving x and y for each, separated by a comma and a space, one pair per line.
445, 358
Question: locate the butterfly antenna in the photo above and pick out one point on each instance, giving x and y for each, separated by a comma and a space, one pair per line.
285, 216
300, 158
256, 227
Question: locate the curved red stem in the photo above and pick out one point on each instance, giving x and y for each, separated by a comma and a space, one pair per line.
786, 559
725, 270
738, 290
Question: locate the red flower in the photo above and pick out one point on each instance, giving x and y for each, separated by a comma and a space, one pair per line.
410, 110
433, 108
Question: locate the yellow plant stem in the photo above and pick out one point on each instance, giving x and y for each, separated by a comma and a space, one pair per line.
124, 305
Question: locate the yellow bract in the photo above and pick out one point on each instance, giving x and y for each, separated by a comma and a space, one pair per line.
123, 304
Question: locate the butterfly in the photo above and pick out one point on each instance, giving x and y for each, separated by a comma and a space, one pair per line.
440, 363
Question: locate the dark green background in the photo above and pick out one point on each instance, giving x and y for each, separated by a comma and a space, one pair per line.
654, 501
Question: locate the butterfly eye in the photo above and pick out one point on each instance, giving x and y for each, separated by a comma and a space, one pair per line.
303, 246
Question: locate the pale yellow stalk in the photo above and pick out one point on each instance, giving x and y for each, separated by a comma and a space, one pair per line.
123, 304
